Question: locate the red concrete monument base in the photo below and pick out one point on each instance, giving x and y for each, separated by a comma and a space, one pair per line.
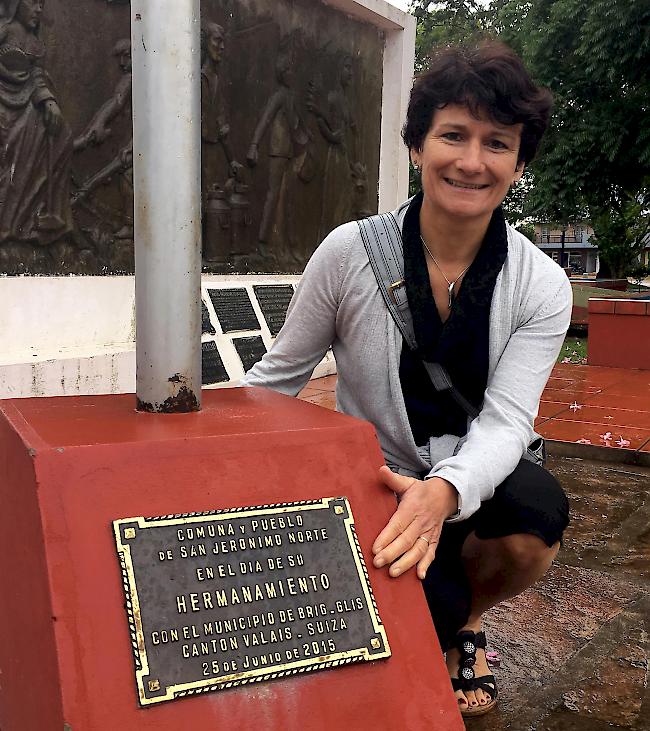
71, 466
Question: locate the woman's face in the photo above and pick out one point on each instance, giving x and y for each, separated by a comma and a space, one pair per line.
29, 13
467, 164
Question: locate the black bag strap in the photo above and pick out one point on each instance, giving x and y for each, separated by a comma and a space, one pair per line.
382, 239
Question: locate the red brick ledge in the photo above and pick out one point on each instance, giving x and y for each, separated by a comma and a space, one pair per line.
602, 306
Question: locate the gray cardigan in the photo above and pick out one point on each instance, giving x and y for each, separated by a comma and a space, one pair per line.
338, 303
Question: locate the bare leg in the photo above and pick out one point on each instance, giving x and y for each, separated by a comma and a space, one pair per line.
497, 569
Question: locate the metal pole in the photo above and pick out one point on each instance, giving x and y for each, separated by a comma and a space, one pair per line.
165, 37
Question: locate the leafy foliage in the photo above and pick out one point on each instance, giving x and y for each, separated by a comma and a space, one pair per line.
594, 55
620, 233
444, 23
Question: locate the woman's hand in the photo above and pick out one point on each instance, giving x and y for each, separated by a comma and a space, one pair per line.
53, 117
424, 506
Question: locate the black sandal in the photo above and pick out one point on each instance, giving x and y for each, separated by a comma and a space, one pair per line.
467, 643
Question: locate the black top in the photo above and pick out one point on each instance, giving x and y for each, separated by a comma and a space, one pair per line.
461, 344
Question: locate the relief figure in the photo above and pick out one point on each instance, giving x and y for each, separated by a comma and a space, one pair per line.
225, 205
98, 131
342, 172
35, 141
288, 139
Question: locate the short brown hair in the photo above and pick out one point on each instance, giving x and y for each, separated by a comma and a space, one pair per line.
488, 78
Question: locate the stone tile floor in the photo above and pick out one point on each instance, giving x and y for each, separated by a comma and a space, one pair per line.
574, 648
605, 408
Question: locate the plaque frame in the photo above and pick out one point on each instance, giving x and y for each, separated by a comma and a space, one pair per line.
125, 529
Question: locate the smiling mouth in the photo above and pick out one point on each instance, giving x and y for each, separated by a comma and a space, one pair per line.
465, 186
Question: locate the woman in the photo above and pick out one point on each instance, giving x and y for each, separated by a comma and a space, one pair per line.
478, 523
338, 127
35, 142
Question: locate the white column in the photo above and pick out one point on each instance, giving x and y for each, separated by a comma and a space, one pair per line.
399, 56
166, 53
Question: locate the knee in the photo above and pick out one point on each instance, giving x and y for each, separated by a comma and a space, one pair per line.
524, 552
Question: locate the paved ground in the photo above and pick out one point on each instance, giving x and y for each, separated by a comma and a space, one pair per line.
602, 408
587, 408
574, 649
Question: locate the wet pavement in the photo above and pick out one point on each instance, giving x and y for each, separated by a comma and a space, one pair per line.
598, 409
574, 648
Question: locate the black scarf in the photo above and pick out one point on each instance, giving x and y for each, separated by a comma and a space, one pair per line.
461, 344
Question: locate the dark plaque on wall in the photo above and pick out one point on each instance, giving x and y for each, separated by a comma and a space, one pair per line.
250, 350
274, 300
216, 600
206, 326
212, 366
234, 309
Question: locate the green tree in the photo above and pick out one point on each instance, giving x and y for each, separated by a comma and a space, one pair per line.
444, 23
595, 158
621, 233
594, 55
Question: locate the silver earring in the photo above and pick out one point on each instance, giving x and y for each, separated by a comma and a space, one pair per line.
417, 167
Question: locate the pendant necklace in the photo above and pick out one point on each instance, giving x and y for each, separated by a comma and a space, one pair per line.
450, 285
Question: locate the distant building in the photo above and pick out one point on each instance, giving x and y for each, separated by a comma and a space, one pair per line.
579, 254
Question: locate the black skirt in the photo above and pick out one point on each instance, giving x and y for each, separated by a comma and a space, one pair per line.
529, 501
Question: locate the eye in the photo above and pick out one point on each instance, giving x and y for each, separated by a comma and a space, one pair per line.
496, 144
451, 136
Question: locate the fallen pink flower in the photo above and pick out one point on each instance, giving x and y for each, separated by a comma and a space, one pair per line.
583, 441
606, 436
566, 360
575, 406
623, 442
493, 659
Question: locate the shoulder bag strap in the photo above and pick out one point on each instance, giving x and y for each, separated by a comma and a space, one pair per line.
383, 242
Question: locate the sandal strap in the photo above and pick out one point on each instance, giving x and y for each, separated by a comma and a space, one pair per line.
468, 643
476, 638
486, 683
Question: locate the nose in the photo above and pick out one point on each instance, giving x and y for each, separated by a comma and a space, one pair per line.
471, 160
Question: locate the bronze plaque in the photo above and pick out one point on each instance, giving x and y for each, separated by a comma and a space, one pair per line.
212, 367
234, 309
207, 328
250, 350
221, 599
274, 301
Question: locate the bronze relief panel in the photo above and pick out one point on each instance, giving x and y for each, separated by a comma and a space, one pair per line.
291, 112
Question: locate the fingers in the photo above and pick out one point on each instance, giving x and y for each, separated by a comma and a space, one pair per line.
411, 536
399, 484
426, 560
394, 529
421, 554
403, 541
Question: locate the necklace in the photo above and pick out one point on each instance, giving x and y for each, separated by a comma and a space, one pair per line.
450, 285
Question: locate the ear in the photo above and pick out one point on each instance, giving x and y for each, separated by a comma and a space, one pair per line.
415, 157
519, 171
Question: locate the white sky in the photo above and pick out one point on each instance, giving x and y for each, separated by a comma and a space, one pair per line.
402, 4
